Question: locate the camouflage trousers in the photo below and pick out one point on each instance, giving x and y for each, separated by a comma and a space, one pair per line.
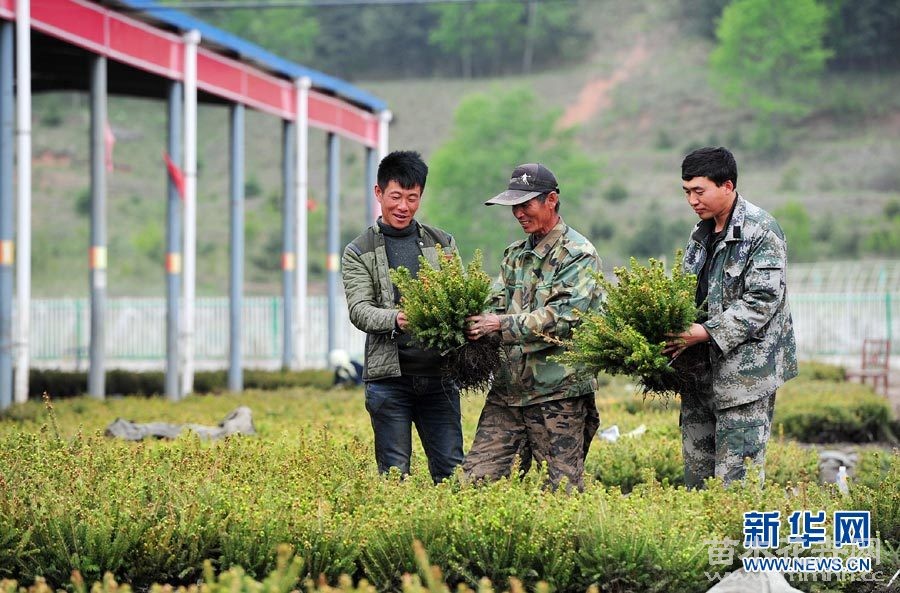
716, 442
556, 432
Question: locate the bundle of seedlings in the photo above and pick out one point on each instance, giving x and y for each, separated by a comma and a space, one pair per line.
436, 304
627, 334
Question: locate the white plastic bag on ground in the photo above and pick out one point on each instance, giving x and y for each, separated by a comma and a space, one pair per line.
753, 582
610, 434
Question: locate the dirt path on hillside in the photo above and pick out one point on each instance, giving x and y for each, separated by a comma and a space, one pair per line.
595, 95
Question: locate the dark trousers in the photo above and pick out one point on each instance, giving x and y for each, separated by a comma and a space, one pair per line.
432, 404
556, 432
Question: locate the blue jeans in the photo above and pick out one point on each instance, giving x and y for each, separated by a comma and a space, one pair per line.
432, 404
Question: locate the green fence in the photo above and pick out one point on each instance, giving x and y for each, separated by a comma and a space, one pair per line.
826, 324
136, 332
835, 324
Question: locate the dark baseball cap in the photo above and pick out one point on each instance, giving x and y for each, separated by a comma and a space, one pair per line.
526, 182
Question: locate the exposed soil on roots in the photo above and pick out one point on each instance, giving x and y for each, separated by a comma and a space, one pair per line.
689, 373
473, 366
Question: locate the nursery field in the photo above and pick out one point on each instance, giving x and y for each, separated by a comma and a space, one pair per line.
183, 511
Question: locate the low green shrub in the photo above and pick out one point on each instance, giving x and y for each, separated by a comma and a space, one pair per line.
207, 382
120, 382
624, 463
656, 451
628, 333
272, 380
57, 383
61, 384
437, 302
819, 371
162, 511
827, 412
876, 488
283, 579
630, 460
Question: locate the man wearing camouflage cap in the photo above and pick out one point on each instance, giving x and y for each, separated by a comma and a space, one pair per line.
745, 336
537, 407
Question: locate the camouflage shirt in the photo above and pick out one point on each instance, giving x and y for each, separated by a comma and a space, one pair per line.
749, 322
538, 289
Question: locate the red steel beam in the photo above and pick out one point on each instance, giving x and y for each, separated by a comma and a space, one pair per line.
142, 46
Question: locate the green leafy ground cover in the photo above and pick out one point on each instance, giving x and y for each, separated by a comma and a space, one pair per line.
154, 512
71, 383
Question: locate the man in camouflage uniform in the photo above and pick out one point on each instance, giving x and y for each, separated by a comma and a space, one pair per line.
745, 335
537, 407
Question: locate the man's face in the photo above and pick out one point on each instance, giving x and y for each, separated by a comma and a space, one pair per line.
535, 216
398, 205
706, 198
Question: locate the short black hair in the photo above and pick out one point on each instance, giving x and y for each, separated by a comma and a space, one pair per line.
406, 167
717, 164
543, 198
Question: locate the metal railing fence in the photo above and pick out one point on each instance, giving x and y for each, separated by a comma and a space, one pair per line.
826, 324
835, 324
136, 332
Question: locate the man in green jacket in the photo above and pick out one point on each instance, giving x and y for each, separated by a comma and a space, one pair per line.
537, 407
744, 337
403, 382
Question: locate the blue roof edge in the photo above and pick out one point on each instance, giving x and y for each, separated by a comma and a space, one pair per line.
251, 51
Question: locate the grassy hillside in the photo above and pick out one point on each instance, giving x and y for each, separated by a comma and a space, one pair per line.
639, 102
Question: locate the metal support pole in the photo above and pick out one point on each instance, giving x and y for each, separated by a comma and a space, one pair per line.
7, 158
235, 302
97, 259
888, 317
173, 246
191, 41
371, 180
288, 260
334, 232
384, 122
302, 168
23, 201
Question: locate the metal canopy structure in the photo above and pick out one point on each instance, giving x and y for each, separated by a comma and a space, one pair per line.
141, 37
140, 48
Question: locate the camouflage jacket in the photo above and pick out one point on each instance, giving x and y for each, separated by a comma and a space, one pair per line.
749, 321
536, 294
370, 294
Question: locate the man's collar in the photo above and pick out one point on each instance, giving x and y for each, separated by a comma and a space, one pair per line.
733, 228
549, 240
736, 221
384, 228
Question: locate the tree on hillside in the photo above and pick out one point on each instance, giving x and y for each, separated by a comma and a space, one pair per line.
286, 32
795, 222
403, 41
864, 33
497, 37
492, 133
655, 236
375, 42
768, 58
702, 16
